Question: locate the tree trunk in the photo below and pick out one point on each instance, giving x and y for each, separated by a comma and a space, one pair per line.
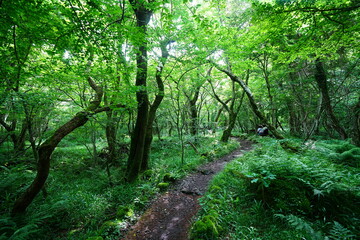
18, 140
252, 102
47, 148
155, 105
230, 109
264, 67
45, 151
111, 129
138, 136
193, 112
227, 132
356, 123
320, 77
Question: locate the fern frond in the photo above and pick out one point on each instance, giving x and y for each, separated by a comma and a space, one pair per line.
302, 225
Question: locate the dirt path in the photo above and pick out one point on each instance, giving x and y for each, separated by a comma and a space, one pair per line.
169, 216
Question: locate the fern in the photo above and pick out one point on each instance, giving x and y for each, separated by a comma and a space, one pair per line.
18, 229
25, 232
338, 231
302, 225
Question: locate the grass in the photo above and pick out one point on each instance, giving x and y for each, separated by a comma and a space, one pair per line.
284, 190
80, 201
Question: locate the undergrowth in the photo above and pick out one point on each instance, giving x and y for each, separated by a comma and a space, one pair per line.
284, 190
81, 201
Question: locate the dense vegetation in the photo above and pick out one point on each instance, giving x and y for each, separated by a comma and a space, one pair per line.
84, 201
285, 190
103, 103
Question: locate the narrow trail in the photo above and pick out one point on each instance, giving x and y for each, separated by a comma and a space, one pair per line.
169, 216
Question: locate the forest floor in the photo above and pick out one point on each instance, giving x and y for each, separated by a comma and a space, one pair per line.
170, 215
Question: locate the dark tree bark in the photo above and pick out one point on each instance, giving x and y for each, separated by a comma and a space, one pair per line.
263, 63
17, 139
252, 102
137, 145
13, 85
110, 130
155, 105
321, 80
232, 111
356, 123
47, 148
193, 111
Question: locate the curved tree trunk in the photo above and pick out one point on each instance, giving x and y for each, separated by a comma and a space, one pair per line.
44, 152
320, 77
252, 102
47, 148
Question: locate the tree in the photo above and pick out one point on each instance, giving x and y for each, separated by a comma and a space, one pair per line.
142, 14
156, 103
232, 110
47, 148
254, 106
320, 77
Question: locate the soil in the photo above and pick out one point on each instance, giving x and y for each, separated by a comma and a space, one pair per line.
170, 215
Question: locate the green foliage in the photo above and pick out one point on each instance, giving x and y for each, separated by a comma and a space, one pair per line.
79, 195
45, 66
316, 196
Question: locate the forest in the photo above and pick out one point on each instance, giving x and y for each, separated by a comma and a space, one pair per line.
106, 104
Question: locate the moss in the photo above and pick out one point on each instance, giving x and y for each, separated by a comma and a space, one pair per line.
107, 225
124, 211
163, 186
205, 228
169, 178
95, 238
147, 174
